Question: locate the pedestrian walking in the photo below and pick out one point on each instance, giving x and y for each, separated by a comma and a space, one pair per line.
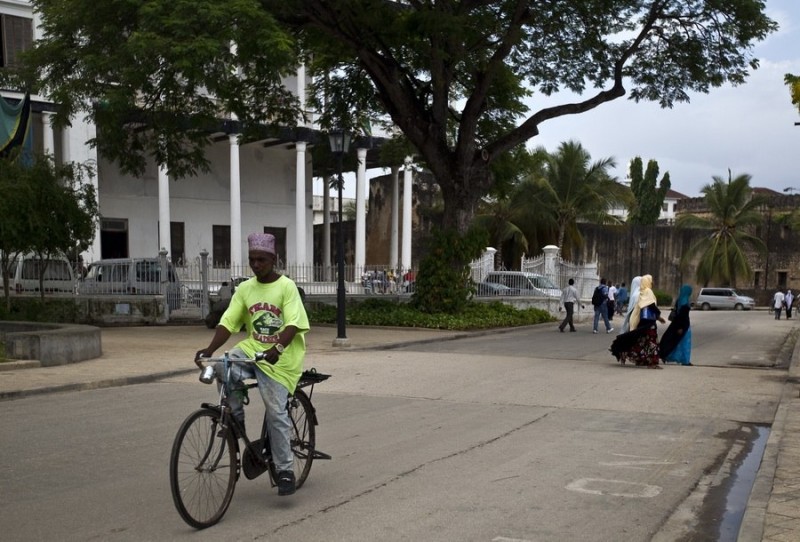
640, 345
621, 303
632, 300
600, 302
676, 343
612, 293
788, 299
569, 298
777, 303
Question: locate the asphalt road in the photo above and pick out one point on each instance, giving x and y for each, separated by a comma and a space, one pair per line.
522, 435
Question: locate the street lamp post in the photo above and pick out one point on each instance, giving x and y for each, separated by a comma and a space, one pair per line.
642, 246
340, 141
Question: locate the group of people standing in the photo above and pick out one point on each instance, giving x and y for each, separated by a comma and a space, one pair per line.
638, 342
782, 301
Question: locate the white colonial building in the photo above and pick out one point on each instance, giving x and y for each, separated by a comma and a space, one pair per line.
258, 186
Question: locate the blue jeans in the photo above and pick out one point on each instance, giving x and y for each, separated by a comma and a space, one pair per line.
601, 310
275, 396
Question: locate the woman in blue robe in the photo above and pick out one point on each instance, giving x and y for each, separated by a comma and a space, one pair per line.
676, 343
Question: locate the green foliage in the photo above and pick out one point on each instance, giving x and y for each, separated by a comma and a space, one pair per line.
443, 282
459, 79
794, 85
50, 211
648, 192
663, 299
734, 212
62, 310
473, 315
569, 188
172, 66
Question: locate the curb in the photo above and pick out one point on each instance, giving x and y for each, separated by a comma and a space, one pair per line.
20, 364
753, 521
95, 385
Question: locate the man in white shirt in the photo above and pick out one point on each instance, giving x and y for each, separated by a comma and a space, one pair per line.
569, 298
777, 303
612, 293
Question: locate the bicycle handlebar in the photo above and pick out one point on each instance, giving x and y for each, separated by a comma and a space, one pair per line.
258, 357
308, 378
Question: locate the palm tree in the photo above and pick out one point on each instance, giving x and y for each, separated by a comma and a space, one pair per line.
498, 218
570, 189
733, 212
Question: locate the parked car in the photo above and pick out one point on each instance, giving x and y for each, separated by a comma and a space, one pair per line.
723, 298
131, 276
526, 283
487, 289
58, 275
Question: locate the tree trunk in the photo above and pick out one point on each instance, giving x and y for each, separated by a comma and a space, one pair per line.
466, 186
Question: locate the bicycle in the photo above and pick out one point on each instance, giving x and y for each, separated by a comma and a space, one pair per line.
205, 462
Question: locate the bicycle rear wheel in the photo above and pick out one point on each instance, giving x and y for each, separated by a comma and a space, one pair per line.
202, 469
303, 437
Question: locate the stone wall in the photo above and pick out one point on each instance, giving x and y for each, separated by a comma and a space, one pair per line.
620, 257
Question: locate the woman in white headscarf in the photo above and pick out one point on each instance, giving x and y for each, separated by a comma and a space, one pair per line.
632, 301
640, 344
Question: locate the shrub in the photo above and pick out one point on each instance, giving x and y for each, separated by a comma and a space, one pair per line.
663, 299
474, 315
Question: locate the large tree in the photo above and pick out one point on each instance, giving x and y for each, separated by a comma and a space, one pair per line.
458, 78
648, 192
733, 214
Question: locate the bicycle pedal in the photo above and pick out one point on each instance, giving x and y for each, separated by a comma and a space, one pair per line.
320, 455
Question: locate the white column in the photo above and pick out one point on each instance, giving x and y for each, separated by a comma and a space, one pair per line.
395, 218
236, 207
361, 212
66, 147
48, 139
326, 229
75, 149
407, 178
300, 213
301, 93
163, 210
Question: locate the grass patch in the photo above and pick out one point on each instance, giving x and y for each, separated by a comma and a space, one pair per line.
377, 312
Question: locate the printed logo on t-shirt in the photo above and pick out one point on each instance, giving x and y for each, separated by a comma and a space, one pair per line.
266, 324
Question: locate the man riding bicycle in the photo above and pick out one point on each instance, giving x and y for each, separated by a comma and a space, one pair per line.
270, 306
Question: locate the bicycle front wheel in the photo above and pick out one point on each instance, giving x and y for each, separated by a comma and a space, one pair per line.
303, 437
202, 469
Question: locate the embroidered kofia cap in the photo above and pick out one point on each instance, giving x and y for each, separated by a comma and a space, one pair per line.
265, 242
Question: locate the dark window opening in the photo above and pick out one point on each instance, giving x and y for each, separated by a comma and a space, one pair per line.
221, 240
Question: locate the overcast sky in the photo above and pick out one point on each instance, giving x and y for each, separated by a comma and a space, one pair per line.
747, 129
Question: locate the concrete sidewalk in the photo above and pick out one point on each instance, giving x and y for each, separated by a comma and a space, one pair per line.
142, 354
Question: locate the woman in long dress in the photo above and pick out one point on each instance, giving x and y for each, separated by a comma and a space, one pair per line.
632, 300
676, 343
640, 345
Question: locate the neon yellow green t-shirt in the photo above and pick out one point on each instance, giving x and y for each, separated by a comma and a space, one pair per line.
266, 309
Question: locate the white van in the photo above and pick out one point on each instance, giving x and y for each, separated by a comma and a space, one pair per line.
58, 275
130, 276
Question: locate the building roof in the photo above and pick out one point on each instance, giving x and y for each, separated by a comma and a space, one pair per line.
673, 194
760, 190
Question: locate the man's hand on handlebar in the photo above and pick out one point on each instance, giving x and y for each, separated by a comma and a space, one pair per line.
271, 356
204, 353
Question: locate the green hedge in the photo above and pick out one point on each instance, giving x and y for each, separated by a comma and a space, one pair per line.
378, 312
